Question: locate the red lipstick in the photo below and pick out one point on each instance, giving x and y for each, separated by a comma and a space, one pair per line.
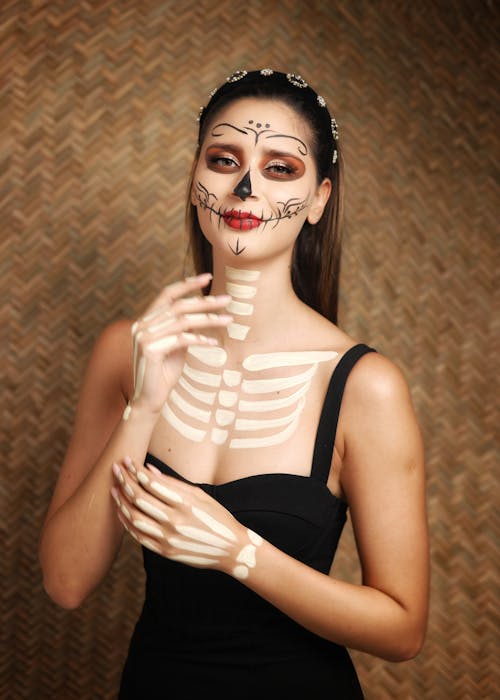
241, 220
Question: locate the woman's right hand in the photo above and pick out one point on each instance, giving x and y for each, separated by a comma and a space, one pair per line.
161, 336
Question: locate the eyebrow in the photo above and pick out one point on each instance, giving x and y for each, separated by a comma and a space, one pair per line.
303, 152
271, 152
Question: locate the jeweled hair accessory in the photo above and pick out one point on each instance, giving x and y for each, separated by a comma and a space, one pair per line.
294, 79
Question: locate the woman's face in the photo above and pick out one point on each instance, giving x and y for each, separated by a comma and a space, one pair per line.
256, 181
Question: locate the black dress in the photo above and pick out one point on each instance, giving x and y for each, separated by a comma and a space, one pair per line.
203, 632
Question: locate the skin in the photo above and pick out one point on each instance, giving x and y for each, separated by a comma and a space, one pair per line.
377, 465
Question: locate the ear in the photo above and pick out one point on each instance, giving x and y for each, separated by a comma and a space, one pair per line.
320, 199
194, 201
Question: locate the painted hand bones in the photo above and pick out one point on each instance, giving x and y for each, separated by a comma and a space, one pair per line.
161, 336
181, 522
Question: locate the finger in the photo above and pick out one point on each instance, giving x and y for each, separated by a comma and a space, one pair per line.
175, 325
164, 314
140, 523
144, 541
124, 486
143, 504
171, 343
168, 494
176, 290
206, 304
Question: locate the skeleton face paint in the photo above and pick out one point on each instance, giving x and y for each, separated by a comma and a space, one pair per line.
256, 179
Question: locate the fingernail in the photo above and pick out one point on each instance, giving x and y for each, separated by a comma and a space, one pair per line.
154, 469
128, 490
114, 494
118, 473
130, 465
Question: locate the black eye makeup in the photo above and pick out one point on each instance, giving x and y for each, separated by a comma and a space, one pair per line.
283, 169
222, 159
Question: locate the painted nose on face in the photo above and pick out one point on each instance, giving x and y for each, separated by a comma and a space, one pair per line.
244, 187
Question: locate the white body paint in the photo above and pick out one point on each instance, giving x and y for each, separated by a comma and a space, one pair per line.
213, 357
271, 386
223, 409
238, 275
190, 410
237, 331
207, 397
241, 291
255, 363
151, 510
183, 428
231, 377
219, 419
272, 404
205, 378
127, 412
218, 436
240, 308
267, 441
227, 398
267, 423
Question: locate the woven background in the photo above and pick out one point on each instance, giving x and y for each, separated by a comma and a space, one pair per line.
97, 106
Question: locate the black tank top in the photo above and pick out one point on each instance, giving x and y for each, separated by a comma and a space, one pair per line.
201, 630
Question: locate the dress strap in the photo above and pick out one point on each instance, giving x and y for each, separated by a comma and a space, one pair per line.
327, 426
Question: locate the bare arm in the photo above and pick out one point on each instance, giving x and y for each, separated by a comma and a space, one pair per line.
383, 478
81, 534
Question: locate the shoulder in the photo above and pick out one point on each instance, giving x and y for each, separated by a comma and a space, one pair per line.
115, 336
376, 379
378, 419
111, 355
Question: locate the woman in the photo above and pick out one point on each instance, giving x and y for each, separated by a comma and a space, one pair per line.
234, 430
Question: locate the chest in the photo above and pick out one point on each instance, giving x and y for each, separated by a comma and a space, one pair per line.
225, 421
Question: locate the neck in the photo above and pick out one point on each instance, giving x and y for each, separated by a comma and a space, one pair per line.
263, 300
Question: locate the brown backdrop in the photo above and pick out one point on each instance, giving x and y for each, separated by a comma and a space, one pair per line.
98, 103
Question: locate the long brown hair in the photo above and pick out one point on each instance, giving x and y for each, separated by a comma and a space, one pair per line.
316, 256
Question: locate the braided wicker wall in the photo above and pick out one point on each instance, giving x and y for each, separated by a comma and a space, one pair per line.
98, 103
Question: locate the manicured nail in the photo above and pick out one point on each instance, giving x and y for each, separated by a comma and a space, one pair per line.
130, 465
118, 473
154, 469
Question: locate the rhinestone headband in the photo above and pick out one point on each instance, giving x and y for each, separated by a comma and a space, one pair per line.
294, 79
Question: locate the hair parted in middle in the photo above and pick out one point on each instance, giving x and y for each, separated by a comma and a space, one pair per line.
316, 256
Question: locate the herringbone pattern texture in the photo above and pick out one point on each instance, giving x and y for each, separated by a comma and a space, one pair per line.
97, 107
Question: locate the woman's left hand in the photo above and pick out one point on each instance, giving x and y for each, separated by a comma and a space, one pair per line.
182, 522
